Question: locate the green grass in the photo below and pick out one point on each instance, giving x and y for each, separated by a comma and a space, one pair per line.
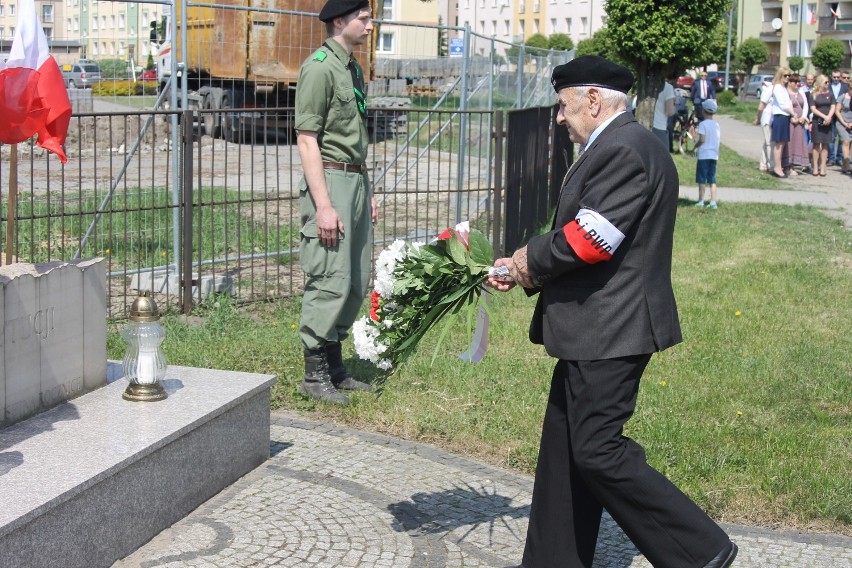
732, 170
136, 225
751, 415
744, 111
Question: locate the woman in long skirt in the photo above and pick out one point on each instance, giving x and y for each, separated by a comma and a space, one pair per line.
795, 156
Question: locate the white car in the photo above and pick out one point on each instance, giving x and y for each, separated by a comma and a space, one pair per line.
754, 83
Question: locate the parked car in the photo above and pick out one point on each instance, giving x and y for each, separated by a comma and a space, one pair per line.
684, 82
148, 75
754, 83
717, 78
81, 74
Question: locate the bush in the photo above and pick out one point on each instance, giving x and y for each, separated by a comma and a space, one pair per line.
726, 98
124, 88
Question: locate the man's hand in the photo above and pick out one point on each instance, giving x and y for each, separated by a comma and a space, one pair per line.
497, 282
328, 224
374, 210
519, 270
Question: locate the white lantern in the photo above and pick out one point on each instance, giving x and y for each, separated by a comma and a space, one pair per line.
144, 362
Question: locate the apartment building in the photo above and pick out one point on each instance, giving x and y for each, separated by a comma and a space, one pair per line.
415, 40
514, 21
88, 29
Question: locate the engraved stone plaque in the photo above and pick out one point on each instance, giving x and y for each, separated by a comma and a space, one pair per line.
54, 334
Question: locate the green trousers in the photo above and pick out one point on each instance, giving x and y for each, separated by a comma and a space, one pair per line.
336, 278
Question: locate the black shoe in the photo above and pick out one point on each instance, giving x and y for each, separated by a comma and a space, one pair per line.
724, 558
317, 383
341, 378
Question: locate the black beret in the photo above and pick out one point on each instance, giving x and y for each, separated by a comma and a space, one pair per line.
592, 71
336, 8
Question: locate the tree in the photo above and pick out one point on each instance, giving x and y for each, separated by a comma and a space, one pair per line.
560, 42
795, 63
828, 55
659, 38
599, 44
114, 69
150, 63
536, 44
750, 53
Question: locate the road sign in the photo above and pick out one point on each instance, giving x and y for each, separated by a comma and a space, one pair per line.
456, 47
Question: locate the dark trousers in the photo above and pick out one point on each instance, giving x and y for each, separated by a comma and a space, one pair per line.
586, 464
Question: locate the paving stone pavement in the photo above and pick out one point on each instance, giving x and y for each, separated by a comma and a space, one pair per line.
331, 496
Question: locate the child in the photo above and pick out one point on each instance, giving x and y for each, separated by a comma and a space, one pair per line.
707, 150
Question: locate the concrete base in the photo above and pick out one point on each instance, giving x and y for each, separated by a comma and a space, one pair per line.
91, 480
162, 282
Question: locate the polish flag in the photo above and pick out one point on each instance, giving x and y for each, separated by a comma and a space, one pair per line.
33, 99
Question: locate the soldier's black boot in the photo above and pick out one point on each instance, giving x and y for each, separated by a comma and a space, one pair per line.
317, 383
340, 377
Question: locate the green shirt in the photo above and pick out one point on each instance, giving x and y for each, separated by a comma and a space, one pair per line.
326, 104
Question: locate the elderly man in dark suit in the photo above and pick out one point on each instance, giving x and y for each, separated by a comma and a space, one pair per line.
702, 90
605, 305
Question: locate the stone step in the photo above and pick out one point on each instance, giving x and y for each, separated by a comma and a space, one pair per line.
89, 481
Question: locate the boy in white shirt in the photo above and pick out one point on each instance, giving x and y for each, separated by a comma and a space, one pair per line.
707, 150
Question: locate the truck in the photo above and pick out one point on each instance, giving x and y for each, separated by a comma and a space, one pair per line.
245, 55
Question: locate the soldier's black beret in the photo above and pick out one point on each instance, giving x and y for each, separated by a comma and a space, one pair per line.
592, 71
336, 8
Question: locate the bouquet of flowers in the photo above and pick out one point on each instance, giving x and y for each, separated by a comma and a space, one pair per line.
416, 285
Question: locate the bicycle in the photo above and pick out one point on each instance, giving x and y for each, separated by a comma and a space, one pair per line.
684, 134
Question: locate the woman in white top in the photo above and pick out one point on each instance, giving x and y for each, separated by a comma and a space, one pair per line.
782, 110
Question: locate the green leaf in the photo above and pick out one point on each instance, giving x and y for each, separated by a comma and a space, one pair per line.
481, 251
457, 251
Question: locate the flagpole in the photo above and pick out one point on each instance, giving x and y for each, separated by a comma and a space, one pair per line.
13, 193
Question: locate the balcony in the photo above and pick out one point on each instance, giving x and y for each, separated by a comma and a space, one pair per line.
828, 24
773, 61
766, 28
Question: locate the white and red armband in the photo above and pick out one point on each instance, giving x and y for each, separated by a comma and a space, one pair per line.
592, 237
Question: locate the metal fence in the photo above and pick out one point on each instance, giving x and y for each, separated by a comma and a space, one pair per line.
185, 214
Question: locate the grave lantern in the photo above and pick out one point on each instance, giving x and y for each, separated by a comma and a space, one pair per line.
144, 361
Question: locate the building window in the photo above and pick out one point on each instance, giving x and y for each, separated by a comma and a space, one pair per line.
121, 21
584, 23
521, 28
112, 22
508, 26
103, 27
536, 26
794, 14
2, 32
68, 25
95, 48
2, 7
792, 48
387, 10
11, 9
121, 48
568, 29
493, 27
810, 13
808, 48
95, 23
112, 48
47, 14
48, 33
521, 7
76, 23
552, 25
385, 43
144, 49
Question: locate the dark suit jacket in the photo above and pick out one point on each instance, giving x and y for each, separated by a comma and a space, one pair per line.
844, 87
591, 306
696, 91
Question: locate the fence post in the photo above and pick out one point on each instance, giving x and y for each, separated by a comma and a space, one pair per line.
186, 280
497, 229
463, 123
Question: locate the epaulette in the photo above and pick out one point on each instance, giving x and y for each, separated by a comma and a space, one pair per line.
320, 55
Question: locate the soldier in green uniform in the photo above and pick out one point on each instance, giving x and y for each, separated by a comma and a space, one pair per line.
335, 199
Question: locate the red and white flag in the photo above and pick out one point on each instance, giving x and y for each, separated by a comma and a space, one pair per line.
33, 99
